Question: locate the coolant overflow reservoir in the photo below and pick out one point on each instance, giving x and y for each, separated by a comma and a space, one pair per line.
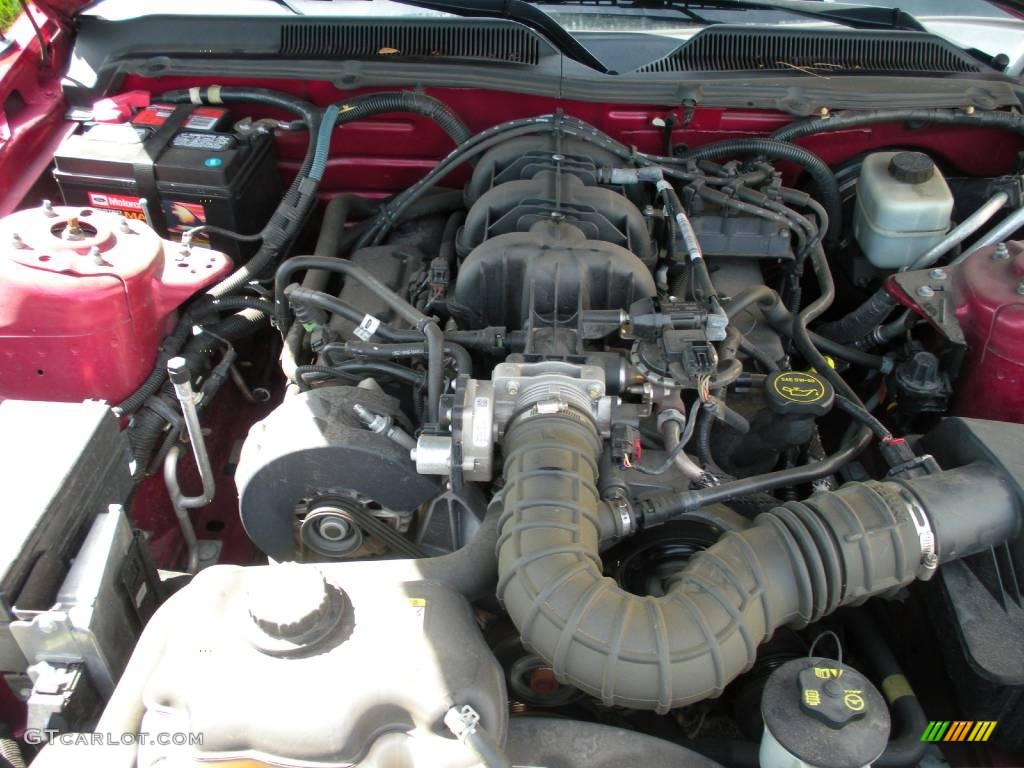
819, 713
903, 208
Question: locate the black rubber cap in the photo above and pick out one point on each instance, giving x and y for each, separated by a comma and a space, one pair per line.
911, 167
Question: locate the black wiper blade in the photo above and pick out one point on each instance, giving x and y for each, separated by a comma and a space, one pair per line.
853, 16
526, 14
847, 15
286, 4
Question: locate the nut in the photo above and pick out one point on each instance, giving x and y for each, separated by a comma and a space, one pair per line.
1001, 253
937, 274
594, 390
512, 387
925, 292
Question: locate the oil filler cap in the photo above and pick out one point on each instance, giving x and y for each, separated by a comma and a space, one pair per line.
911, 167
820, 712
798, 393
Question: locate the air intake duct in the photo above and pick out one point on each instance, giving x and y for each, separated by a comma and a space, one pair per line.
794, 565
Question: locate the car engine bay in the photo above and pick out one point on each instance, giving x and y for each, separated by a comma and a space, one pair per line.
447, 427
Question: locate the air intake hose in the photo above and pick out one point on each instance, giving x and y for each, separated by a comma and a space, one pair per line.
794, 565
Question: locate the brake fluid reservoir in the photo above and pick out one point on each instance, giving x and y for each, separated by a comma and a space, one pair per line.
85, 298
903, 208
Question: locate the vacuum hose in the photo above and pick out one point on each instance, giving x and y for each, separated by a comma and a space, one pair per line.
792, 566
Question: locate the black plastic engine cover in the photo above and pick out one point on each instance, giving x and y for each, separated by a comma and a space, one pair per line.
600, 213
551, 272
526, 156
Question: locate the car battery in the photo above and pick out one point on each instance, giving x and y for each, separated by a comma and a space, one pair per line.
179, 166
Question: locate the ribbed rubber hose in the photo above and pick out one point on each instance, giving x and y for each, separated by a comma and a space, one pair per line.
10, 753
844, 120
371, 350
409, 102
861, 321
794, 565
170, 347
774, 149
148, 425
332, 227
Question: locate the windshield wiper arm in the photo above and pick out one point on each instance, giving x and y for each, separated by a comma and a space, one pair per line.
526, 14
847, 15
286, 4
853, 16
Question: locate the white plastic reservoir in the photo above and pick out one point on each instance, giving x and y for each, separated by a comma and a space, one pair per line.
903, 208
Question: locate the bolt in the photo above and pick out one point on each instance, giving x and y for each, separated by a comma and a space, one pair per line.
96, 255
969, 109
594, 390
512, 387
333, 530
925, 292
207, 550
1001, 253
658, 122
16, 241
937, 274
125, 226
73, 231
823, 113
48, 209
47, 624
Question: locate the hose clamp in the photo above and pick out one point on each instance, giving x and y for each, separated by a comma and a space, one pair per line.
622, 513
929, 562
462, 721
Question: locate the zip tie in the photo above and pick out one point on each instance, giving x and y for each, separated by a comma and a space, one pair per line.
194, 94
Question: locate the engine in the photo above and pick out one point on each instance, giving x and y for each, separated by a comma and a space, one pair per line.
591, 437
